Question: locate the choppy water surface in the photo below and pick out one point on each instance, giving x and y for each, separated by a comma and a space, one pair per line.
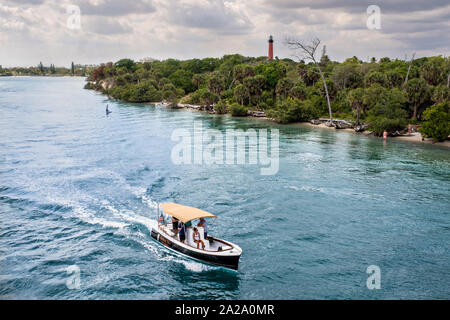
80, 188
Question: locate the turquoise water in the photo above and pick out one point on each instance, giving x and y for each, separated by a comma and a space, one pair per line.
80, 188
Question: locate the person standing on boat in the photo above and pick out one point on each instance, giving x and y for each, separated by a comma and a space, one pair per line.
175, 225
203, 224
196, 238
182, 231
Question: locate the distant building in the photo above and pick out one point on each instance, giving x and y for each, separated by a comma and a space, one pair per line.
270, 55
147, 59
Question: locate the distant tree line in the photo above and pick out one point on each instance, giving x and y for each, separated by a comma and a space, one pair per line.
41, 70
387, 94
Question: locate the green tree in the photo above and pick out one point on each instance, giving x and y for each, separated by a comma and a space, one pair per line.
128, 64
394, 78
376, 77
437, 122
255, 86
216, 83
347, 75
272, 73
144, 92
208, 98
198, 80
238, 110
182, 79
220, 108
386, 109
330, 92
283, 87
356, 99
241, 93
242, 71
441, 94
298, 91
432, 71
418, 92
293, 110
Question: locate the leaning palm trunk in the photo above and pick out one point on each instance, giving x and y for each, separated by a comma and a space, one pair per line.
326, 92
308, 52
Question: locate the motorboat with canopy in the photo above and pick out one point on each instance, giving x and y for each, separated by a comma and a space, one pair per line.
216, 251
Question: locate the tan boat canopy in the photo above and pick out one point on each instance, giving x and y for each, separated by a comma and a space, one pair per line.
184, 213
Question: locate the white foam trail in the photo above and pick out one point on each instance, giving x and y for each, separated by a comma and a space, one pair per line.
307, 156
129, 216
149, 202
89, 217
126, 218
189, 265
306, 188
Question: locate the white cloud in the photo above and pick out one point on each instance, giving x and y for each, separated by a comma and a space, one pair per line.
33, 31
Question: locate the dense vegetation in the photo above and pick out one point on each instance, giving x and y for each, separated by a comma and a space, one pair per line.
382, 93
41, 70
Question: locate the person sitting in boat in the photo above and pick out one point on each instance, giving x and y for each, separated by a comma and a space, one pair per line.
182, 231
196, 237
203, 224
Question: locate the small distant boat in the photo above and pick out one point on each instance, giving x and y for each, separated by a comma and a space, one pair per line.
217, 252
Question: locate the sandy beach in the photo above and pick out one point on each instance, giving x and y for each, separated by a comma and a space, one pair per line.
413, 137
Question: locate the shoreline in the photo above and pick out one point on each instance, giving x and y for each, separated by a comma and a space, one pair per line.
42, 76
413, 137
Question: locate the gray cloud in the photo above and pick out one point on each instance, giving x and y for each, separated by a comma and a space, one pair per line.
213, 15
115, 7
106, 26
354, 6
24, 2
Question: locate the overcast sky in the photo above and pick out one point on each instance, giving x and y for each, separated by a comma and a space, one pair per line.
37, 30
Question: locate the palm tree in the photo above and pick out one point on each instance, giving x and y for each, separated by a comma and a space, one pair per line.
240, 93
355, 98
418, 92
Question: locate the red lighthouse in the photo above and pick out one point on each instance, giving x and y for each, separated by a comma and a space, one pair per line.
270, 55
